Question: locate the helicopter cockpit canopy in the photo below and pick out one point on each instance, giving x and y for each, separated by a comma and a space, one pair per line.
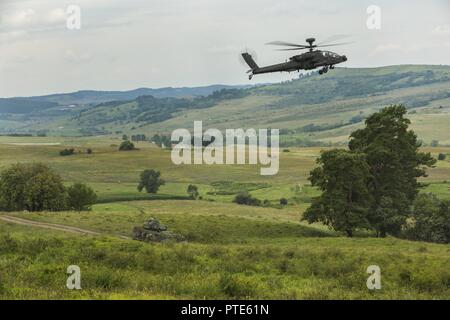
330, 54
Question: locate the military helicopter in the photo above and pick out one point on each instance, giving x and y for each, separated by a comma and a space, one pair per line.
306, 61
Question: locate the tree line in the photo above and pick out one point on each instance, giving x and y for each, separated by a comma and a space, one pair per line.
35, 187
159, 140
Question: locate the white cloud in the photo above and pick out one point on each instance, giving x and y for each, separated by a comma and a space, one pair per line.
157, 43
77, 57
442, 30
55, 16
30, 19
227, 49
12, 36
19, 19
410, 48
383, 48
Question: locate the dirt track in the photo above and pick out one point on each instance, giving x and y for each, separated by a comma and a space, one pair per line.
52, 226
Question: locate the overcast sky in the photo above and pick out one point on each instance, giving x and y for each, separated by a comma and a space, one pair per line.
127, 44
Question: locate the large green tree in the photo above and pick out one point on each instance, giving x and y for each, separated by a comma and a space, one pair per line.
32, 187
343, 205
395, 164
150, 181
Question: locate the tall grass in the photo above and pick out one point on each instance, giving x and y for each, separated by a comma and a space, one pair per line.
33, 265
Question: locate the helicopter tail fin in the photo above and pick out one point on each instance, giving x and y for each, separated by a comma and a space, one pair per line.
249, 60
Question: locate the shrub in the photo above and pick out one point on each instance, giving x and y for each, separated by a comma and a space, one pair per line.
431, 220
442, 156
246, 199
67, 152
283, 201
7, 244
235, 286
192, 191
107, 280
80, 197
126, 146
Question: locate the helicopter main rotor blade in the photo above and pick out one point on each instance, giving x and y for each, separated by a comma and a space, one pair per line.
335, 37
283, 43
333, 44
292, 49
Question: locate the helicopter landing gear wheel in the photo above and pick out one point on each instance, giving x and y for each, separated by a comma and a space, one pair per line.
250, 77
320, 71
331, 67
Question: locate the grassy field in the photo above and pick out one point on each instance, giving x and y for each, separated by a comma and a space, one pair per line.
231, 251
259, 260
114, 174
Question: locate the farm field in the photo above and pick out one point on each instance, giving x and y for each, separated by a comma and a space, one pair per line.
232, 251
114, 174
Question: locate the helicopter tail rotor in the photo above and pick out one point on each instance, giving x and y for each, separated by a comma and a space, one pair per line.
249, 60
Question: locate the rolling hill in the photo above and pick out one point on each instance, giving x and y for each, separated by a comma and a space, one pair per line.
311, 110
25, 105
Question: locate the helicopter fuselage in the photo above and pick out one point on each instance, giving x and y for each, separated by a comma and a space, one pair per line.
305, 61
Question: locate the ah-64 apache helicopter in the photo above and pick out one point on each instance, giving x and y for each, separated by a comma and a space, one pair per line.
305, 61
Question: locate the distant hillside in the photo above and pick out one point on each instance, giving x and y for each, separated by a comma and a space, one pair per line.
147, 109
311, 110
24, 105
89, 97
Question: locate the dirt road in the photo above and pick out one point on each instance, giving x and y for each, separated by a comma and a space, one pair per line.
52, 226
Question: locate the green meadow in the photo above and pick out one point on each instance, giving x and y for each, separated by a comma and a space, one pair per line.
232, 251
